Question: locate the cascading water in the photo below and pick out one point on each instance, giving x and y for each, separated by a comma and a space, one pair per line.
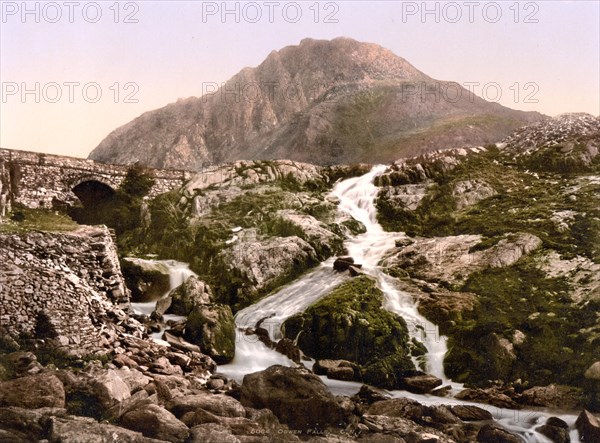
178, 273
357, 199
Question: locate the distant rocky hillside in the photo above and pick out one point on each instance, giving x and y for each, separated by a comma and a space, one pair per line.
324, 102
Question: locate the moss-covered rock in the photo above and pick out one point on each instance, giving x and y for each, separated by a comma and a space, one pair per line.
212, 327
350, 324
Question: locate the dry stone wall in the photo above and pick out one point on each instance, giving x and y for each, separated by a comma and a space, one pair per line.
61, 286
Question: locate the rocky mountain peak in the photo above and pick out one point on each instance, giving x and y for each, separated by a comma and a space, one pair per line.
334, 101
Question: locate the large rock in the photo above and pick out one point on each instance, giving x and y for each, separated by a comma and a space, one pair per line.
212, 327
495, 434
337, 369
191, 293
156, 422
35, 391
342, 264
99, 395
349, 324
25, 425
297, 397
470, 192
148, 280
263, 263
490, 396
588, 426
553, 396
86, 430
420, 383
220, 405
471, 413
593, 372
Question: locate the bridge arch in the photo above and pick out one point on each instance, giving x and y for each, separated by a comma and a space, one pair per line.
92, 189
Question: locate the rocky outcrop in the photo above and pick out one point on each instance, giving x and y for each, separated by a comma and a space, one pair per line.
241, 174
263, 263
212, 327
155, 422
470, 192
588, 426
453, 259
337, 369
349, 324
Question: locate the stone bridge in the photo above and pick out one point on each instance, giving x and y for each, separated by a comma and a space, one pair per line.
38, 180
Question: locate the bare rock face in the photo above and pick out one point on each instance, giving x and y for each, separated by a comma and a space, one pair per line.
451, 258
297, 397
495, 434
262, 262
316, 122
470, 192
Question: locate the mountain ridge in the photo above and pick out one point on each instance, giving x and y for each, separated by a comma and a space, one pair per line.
325, 102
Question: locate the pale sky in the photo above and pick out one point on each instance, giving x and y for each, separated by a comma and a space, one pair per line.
57, 57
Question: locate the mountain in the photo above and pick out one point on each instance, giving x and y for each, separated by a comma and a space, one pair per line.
324, 102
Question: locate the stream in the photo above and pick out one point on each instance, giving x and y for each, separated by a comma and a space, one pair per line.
357, 198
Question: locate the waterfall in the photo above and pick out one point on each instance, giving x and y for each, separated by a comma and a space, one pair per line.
357, 199
178, 273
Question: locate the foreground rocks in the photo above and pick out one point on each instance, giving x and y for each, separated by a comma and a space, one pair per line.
298, 398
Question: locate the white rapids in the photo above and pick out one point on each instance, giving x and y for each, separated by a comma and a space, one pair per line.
357, 199
179, 272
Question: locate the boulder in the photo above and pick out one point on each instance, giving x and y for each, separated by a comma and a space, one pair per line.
148, 280
495, 434
554, 433
179, 343
420, 383
220, 405
72, 429
553, 396
337, 369
490, 396
19, 424
297, 397
399, 407
288, 348
156, 422
342, 264
370, 395
98, 395
191, 293
588, 426
593, 372
212, 433
212, 327
471, 413
34, 391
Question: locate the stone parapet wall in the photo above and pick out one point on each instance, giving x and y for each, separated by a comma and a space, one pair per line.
64, 283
